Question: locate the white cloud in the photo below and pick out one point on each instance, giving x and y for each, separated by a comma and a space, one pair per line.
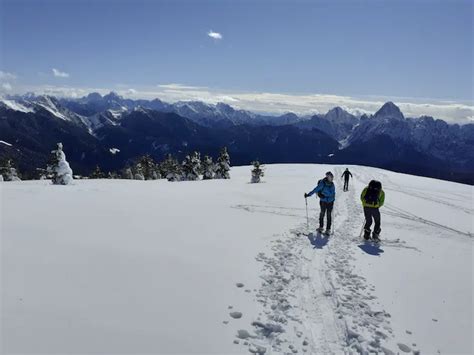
215, 35
132, 91
7, 86
179, 87
7, 76
60, 74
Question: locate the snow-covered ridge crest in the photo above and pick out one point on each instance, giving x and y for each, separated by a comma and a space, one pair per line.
15, 105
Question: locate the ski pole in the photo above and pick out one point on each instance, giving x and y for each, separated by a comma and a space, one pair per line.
307, 219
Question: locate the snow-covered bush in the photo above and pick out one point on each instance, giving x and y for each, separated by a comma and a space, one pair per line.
207, 168
192, 166
223, 165
60, 170
257, 172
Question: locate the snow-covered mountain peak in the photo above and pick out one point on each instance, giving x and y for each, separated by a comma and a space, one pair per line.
339, 115
389, 111
112, 96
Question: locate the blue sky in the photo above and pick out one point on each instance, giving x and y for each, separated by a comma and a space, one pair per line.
417, 52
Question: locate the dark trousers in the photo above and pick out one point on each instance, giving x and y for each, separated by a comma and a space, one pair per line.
372, 214
326, 208
346, 184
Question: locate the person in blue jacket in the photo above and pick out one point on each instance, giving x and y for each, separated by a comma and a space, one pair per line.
326, 192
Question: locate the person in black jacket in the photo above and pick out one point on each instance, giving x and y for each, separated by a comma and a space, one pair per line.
346, 174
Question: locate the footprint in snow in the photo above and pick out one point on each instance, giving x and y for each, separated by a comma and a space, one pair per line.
404, 348
243, 334
236, 315
239, 284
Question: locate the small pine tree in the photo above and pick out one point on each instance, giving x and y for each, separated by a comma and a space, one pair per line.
59, 169
171, 169
257, 172
8, 171
207, 168
97, 173
223, 165
155, 175
148, 167
192, 166
127, 173
139, 175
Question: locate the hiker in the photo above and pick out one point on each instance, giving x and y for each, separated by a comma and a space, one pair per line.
372, 198
326, 192
346, 174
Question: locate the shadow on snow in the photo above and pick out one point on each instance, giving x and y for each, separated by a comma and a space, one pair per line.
318, 241
371, 248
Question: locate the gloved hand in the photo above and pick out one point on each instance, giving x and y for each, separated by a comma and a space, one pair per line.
305, 195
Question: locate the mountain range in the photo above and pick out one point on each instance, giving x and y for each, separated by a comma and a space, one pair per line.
112, 131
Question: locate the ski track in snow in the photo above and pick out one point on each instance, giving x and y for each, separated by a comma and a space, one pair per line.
313, 300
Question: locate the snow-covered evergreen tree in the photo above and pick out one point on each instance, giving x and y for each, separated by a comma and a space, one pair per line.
138, 174
149, 168
192, 166
97, 173
257, 172
155, 175
8, 171
207, 168
60, 170
171, 169
127, 173
223, 165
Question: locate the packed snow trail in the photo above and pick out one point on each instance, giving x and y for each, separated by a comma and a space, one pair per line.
333, 309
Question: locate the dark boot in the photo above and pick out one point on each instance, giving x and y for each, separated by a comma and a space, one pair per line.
376, 235
366, 234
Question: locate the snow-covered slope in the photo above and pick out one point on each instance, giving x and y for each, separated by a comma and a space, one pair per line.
43, 104
115, 266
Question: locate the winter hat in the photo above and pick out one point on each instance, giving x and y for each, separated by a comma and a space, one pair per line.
329, 174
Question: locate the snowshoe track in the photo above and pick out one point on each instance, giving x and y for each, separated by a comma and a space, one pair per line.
313, 300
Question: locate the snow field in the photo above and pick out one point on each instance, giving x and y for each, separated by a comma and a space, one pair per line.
225, 266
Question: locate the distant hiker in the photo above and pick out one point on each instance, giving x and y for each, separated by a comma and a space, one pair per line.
346, 174
372, 198
326, 192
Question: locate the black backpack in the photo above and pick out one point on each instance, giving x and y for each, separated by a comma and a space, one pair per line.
373, 191
320, 194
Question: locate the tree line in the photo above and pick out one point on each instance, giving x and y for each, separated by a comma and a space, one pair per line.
191, 168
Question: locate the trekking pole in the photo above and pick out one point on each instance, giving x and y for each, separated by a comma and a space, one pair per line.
362, 228
307, 219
